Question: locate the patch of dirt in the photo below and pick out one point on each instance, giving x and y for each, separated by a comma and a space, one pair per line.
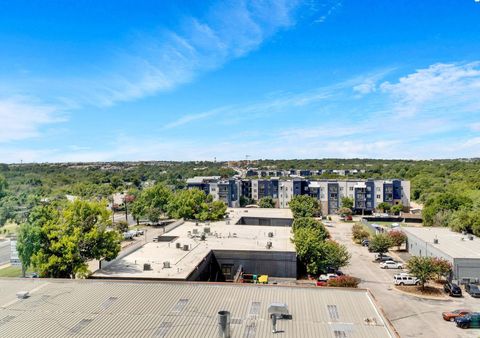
430, 291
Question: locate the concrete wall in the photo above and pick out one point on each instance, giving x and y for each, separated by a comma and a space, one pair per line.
245, 220
272, 263
468, 268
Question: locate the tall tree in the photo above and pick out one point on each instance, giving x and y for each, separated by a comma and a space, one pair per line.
347, 202
266, 202
304, 206
151, 202
380, 243
65, 239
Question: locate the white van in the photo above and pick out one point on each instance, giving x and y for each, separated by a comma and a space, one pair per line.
405, 279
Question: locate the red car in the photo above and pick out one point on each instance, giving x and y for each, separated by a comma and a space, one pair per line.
450, 316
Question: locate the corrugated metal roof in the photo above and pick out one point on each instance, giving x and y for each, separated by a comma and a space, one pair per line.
88, 308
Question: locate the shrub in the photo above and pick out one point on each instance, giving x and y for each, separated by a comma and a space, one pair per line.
359, 233
344, 282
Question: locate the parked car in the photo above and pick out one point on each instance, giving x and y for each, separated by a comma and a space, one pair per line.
366, 242
324, 278
451, 315
452, 289
347, 218
470, 320
128, 235
391, 265
383, 258
405, 279
473, 290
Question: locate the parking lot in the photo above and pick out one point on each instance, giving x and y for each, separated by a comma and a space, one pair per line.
410, 315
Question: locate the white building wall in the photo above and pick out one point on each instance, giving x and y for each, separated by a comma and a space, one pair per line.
213, 189
378, 192
285, 192
255, 190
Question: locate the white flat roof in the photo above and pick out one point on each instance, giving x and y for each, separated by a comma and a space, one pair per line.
449, 242
222, 236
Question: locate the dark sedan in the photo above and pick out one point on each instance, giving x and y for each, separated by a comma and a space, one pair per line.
467, 321
452, 289
473, 290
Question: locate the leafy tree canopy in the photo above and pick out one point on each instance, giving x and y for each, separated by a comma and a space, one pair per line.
266, 202
304, 206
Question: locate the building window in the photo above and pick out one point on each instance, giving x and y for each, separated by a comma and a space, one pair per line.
379, 197
227, 269
351, 188
341, 188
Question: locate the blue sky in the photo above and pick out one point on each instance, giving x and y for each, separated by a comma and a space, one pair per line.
122, 80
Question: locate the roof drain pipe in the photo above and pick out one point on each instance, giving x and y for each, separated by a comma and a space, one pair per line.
224, 324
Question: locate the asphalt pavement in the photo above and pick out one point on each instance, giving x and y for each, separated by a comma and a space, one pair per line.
410, 315
4, 252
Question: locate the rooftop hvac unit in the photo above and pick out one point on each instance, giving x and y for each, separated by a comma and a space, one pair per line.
227, 222
178, 245
166, 265
206, 230
22, 294
185, 247
202, 237
435, 241
147, 267
270, 234
195, 231
470, 237
269, 245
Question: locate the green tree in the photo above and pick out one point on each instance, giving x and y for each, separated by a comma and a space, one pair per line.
317, 254
151, 202
359, 233
29, 238
397, 237
244, 201
68, 238
423, 268
443, 268
266, 202
444, 202
304, 222
304, 206
380, 243
347, 202
384, 206
344, 211
396, 209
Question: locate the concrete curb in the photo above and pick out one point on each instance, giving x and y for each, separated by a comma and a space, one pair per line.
421, 297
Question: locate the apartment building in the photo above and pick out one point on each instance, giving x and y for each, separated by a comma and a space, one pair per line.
366, 194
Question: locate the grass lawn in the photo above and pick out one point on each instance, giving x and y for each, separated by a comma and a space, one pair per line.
11, 271
9, 228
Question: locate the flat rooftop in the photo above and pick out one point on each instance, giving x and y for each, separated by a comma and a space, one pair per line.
90, 308
224, 235
236, 213
452, 243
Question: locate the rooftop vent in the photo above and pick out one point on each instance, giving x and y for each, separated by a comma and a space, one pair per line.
178, 245
185, 247
470, 237
22, 294
206, 230
166, 265
147, 267
224, 324
269, 245
277, 311
270, 234
435, 241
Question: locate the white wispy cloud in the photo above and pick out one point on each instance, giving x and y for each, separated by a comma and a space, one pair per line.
440, 86
23, 117
161, 62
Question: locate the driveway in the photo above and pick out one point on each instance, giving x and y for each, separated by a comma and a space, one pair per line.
411, 316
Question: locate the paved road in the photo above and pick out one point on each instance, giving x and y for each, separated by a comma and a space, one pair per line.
411, 316
4, 252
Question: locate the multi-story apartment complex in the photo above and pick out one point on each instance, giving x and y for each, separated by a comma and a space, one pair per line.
366, 194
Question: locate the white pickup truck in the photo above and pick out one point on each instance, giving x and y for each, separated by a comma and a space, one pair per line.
391, 265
